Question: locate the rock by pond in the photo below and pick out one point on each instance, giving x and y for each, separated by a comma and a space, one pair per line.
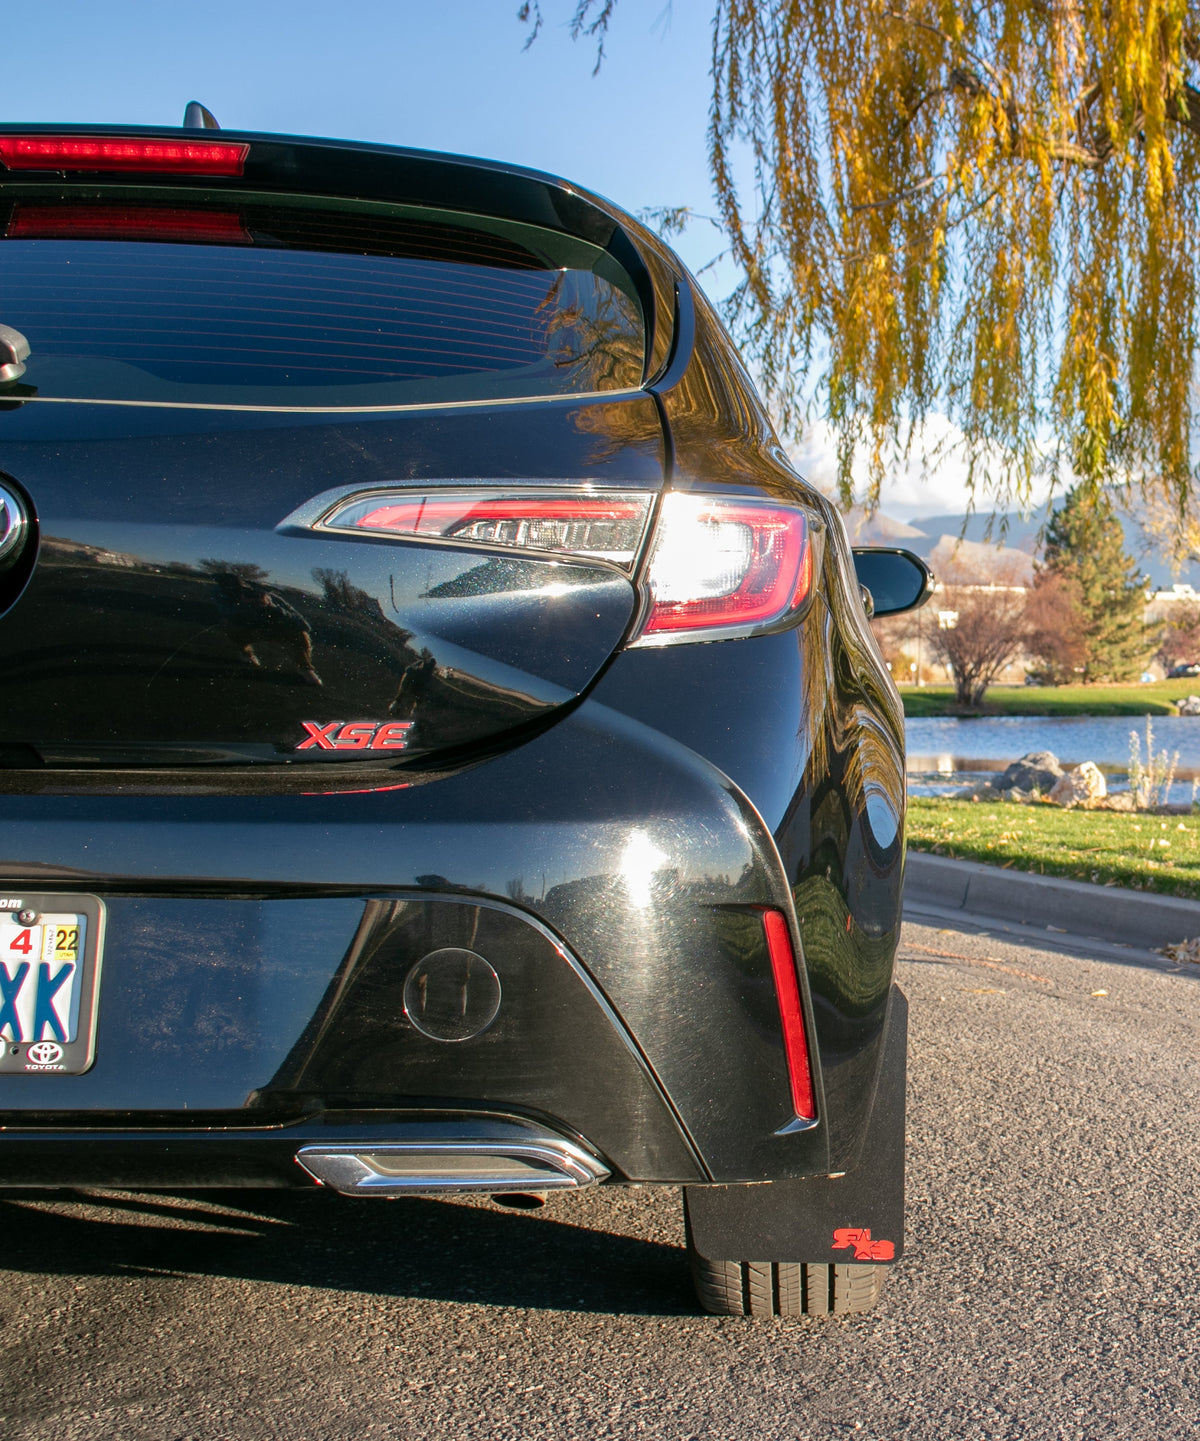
1038, 776
1037, 771
1027, 779
1080, 787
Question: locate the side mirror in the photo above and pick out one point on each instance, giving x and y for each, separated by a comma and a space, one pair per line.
896, 579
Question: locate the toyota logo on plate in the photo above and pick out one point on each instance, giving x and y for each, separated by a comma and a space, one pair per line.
13, 523
45, 1053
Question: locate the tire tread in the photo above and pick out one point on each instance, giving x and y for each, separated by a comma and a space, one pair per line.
785, 1288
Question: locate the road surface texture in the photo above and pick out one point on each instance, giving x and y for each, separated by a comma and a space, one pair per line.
1049, 1289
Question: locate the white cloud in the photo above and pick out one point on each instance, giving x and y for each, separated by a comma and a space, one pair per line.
913, 487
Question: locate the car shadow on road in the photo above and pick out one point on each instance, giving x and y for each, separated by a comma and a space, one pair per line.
416, 1247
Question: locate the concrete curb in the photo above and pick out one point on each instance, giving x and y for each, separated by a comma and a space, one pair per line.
1109, 913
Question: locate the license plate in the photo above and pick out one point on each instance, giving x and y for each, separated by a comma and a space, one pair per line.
50, 948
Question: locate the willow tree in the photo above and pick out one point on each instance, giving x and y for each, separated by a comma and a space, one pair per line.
987, 212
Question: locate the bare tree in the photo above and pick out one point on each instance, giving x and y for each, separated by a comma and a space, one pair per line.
981, 630
1056, 628
1181, 635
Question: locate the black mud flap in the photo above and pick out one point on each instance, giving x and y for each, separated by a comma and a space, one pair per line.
824, 1220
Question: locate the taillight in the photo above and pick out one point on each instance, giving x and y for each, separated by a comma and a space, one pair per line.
718, 566
722, 567
787, 990
127, 153
602, 525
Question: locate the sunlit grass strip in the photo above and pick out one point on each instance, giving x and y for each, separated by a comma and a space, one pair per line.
1157, 698
1133, 700
1145, 852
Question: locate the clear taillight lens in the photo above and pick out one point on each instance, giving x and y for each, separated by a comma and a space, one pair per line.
605, 526
725, 566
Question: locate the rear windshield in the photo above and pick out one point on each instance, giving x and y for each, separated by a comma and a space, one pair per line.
278, 306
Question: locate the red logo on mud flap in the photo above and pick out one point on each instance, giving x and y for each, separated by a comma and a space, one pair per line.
864, 1248
356, 735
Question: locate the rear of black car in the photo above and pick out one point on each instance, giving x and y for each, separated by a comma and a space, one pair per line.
440, 742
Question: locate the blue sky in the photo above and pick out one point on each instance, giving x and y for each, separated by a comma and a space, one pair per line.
438, 74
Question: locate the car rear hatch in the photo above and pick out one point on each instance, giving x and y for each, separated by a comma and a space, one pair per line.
310, 479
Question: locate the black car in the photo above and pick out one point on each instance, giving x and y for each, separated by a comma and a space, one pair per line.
442, 742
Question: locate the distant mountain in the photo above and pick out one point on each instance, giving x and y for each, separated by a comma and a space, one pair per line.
957, 561
924, 534
880, 529
1017, 532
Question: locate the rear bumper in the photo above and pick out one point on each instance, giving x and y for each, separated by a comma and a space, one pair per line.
416, 1152
258, 948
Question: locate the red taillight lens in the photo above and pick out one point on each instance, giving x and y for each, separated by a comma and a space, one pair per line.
125, 222
787, 990
86, 152
725, 567
609, 527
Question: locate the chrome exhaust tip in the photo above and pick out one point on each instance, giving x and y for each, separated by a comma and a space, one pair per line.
528, 1160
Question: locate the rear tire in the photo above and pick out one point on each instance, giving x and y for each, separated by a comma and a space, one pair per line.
784, 1288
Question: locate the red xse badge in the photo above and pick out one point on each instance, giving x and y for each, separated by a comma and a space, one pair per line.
356, 736
864, 1248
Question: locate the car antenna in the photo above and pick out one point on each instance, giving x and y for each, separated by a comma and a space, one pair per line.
199, 117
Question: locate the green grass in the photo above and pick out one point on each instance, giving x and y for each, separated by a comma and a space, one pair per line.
1156, 698
1143, 851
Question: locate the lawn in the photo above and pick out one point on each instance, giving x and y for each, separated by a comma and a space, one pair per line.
1155, 698
1146, 852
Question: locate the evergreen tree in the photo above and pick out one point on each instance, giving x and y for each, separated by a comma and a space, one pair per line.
1085, 549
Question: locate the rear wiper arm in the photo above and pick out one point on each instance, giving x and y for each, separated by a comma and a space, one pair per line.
14, 352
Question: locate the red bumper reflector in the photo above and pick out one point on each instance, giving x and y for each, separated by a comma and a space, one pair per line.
125, 222
787, 990
87, 152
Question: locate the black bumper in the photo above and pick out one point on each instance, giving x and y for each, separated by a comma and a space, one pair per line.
258, 947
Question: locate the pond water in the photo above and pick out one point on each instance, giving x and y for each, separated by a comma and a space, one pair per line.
946, 752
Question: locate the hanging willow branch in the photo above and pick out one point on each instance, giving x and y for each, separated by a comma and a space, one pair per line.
988, 212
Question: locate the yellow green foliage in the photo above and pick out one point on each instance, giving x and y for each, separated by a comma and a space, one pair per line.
988, 211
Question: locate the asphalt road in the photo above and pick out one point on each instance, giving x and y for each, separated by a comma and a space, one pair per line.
1049, 1290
